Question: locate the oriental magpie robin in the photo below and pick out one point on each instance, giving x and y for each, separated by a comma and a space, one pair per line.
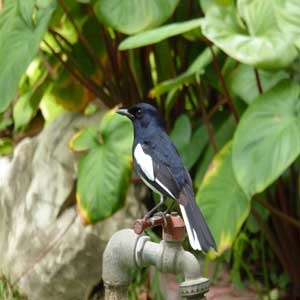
159, 165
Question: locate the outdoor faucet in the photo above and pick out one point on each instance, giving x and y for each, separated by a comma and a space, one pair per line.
130, 249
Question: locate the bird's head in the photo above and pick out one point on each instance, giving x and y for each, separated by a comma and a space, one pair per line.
142, 115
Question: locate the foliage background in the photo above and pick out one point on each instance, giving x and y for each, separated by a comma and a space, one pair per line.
225, 76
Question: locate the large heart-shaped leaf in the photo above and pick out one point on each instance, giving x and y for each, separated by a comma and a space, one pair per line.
158, 34
242, 81
86, 139
189, 146
135, 15
206, 4
267, 139
19, 42
222, 135
262, 47
258, 15
288, 19
104, 173
222, 201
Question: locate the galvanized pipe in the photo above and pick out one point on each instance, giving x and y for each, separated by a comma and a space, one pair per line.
127, 251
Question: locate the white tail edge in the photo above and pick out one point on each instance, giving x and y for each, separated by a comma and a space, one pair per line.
194, 241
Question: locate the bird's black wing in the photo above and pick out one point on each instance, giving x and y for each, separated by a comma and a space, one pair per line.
170, 176
172, 179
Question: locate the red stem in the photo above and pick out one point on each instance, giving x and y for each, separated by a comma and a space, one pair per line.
90, 86
82, 38
223, 83
206, 121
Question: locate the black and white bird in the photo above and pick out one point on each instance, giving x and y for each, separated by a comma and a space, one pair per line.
159, 165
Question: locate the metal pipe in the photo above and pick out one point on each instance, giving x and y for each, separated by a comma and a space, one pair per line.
127, 250
118, 261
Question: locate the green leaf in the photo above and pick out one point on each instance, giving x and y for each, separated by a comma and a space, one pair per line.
4, 123
134, 16
158, 34
28, 105
104, 173
85, 139
267, 139
258, 15
242, 81
6, 146
263, 47
222, 135
222, 201
91, 109
192, 152
69, 92
288, 19
252, 225
182, 132
189, 146
206, 4
26, 9
190, 75
19, 44
50, 108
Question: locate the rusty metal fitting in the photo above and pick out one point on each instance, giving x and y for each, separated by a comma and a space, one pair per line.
172, 224
174, 231
141, 224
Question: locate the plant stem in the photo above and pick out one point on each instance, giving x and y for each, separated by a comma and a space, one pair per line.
269, 236
216, 107
264, 265
223, 83
47, 65
89, 85
55, 33
112, 61
278, 213
130, 78
258, 81
206, 120
82, 38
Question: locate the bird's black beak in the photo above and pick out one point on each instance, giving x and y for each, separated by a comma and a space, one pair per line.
125, 112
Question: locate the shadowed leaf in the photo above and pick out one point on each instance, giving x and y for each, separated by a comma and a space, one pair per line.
222, 201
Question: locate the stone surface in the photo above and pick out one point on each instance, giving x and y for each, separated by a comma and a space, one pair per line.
44, 248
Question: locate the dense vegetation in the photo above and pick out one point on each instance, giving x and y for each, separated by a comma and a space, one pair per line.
225, 76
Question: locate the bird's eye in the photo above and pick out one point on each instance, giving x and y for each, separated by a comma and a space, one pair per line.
138, 113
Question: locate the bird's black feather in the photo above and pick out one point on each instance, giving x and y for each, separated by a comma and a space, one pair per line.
170, 177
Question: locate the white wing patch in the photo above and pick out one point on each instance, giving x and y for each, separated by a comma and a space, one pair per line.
190, 231
144, 161
164, 187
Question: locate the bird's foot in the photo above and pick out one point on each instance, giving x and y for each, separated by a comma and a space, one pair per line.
161, 213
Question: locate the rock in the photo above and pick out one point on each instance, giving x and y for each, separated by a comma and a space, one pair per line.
44, 248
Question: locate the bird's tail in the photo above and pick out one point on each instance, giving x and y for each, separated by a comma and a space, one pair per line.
199, 234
